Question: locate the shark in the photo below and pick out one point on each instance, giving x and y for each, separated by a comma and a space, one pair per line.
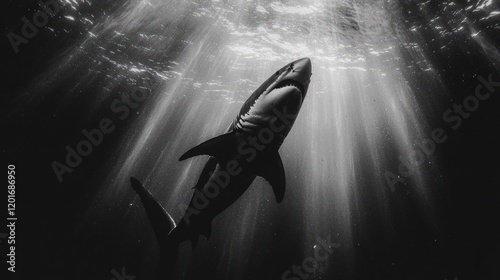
248, 148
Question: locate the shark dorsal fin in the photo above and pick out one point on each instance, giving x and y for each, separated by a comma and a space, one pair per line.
217, 147
270, 167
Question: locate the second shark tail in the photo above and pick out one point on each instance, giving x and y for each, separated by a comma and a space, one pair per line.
162, 225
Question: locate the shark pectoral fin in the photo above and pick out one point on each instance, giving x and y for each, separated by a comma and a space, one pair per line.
217, 147
270, 167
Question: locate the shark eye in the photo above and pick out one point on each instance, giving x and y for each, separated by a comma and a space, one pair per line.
277, 73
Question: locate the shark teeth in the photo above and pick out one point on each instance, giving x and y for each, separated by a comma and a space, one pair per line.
292, 83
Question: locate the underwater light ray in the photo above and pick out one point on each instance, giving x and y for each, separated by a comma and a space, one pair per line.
339, 106
360, 114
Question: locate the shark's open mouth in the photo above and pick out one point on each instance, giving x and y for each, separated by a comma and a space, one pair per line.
290, 82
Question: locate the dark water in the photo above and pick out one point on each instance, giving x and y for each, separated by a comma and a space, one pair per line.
384, 73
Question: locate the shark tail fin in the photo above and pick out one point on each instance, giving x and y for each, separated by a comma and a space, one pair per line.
162, 225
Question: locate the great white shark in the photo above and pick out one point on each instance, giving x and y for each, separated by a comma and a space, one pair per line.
248, 148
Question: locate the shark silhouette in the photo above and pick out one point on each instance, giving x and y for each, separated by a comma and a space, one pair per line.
249, 148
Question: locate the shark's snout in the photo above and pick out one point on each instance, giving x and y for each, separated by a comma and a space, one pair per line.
301, 73
303, 66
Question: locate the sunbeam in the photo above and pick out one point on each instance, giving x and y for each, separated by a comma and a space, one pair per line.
375, 94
